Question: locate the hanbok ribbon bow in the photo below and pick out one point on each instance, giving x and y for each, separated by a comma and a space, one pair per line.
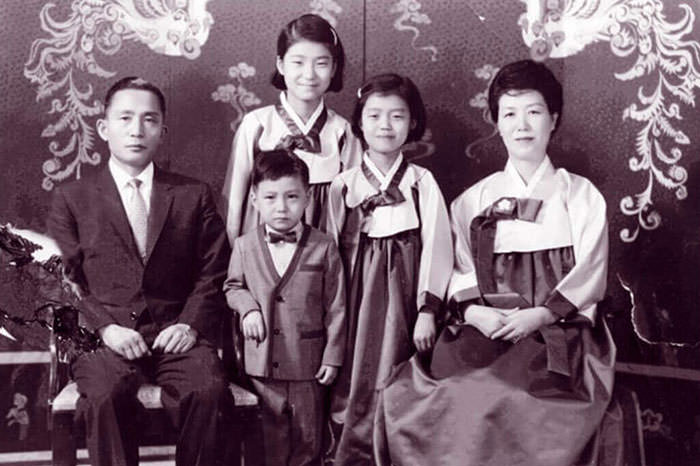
309, 142
300, 141
483, 233
391, 195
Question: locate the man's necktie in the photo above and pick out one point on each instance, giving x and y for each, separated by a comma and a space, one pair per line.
288, 237
138, 216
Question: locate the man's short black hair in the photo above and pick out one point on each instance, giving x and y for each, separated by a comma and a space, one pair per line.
134, 82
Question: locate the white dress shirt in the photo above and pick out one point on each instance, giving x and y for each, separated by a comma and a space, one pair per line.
282, 251
122, 179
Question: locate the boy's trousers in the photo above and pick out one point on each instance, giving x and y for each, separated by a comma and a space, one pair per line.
293, 419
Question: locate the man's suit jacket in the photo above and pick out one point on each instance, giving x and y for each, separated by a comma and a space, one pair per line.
187, 252
303, 311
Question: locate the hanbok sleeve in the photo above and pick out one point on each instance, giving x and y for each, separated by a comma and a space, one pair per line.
585, 283
334, 307
436, 253
238, 296
237, 182
463, 286
351, 150
336, 208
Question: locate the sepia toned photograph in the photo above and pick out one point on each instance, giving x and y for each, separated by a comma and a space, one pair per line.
350, 233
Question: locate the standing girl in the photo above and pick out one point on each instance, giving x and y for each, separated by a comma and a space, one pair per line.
310, 61
391, 223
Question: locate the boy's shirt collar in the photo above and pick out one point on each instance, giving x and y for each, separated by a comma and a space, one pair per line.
304, 127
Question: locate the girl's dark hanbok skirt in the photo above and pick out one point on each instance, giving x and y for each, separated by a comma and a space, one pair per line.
381, 316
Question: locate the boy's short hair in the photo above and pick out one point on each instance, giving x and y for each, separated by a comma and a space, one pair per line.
314, 29
526, 75
278, 163
392, 84
134, 82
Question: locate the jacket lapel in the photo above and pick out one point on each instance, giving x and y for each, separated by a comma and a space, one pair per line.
280, 282
113, 207
161, 200
267, 256
296, 258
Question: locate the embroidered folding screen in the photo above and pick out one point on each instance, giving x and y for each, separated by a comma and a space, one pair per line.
630, 70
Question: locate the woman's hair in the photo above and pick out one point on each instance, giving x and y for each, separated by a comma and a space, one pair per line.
312, 28
134, 82
276, 164
392, 84
526, 75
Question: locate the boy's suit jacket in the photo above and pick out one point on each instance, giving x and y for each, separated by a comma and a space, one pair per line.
303, 311
187, 252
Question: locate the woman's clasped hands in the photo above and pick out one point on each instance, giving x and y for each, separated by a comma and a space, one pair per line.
508, 324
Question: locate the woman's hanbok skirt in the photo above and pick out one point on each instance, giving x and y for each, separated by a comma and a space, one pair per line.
494, 403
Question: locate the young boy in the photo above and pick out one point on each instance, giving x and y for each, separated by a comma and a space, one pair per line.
148, 252
285, 281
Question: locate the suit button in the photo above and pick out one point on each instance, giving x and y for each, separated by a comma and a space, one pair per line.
279, 299
133, 315
275, 365
276, 331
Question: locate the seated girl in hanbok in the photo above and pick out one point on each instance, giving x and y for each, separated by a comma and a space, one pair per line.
524, 373
393, 231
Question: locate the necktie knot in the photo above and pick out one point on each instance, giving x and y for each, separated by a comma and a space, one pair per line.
288, 237
135, 183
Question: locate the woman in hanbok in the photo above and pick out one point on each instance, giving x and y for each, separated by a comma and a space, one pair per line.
524, 372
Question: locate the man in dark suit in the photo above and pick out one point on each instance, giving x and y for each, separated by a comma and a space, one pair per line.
149, 254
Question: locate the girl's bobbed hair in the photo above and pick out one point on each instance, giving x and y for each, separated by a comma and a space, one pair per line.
312, 28
392, 84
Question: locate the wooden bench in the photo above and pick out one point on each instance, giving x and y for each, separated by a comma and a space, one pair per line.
243, 433
65, 435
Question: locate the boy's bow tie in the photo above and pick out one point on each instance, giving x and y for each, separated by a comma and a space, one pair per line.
288, 237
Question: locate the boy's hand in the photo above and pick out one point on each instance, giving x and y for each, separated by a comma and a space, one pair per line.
253, 326
523, 323
176, 338
424, 331
124, 341
485, 319
326, 374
